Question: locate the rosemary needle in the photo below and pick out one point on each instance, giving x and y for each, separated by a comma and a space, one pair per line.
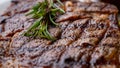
44, 13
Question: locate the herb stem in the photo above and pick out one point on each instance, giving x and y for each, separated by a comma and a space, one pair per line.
45, 13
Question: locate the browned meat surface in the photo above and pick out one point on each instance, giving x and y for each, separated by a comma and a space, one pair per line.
19, 6
10, 27
88, 36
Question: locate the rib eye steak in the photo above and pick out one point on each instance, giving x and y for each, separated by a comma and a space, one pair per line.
88, 36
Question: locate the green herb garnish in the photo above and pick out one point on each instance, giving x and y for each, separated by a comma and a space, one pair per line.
45, 14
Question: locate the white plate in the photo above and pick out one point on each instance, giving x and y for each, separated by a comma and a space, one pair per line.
4, 5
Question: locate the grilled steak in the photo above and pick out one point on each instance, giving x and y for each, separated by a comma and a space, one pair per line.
88, 36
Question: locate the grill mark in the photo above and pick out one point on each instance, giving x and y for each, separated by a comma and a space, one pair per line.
92, 64
104, 7
104, 34
99, 11
82, 35
88, 6
109, 28
93, 46
81, 32
104, 37
85, 25
117, 48
65, 27
63, 49
106, 11
72, 42
61, 55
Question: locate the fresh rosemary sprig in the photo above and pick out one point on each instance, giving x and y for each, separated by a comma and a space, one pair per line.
45, 13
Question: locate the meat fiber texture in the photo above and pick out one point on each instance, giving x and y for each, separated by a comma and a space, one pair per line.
88, 36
